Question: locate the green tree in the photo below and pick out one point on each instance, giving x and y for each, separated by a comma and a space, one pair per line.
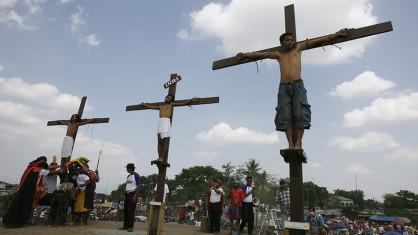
350, 211
146, 187
265, 185
372, 204
398, 204
252, 168
314, 195
228, 174
192, 183
356, 195
116, 195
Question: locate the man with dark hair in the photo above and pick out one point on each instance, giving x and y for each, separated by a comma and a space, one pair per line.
283, 199
130, 198
293, 113
247, 213
164, 123
236, 196
215, 205
316, 221
283, 36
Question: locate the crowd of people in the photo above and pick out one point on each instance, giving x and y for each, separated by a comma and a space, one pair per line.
344, 226
73, 197
39, 187
240, 210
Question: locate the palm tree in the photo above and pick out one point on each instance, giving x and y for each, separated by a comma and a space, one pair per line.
228, 171
252, 168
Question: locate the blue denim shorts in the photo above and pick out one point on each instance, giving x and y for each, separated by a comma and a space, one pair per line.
293, 110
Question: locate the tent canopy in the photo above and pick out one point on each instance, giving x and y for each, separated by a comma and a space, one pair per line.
384, 218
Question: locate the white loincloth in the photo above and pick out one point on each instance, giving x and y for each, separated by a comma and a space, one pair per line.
67, 147
164, 126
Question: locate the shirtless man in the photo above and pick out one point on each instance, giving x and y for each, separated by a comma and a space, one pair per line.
164, 123
68, 143
293, 112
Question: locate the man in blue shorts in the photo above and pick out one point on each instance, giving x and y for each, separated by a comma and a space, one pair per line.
293, 112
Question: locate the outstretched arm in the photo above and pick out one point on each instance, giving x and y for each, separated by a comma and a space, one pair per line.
260, 55
58, 122
92, 121
150, 106
185, 102
322, 41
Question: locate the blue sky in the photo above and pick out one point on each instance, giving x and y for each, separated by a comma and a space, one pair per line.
364, 97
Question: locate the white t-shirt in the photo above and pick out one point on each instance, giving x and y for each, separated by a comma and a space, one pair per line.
131, 182
214, 196
82, 179
248, 198
166, 190
50, 182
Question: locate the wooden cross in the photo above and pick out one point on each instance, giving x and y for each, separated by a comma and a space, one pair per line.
295, 157
74, 122
290, 27
163, 143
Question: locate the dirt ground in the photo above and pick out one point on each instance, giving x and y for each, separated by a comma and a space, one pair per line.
102, 228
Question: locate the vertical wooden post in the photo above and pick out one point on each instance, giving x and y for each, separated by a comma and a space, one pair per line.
290, 20
295, 158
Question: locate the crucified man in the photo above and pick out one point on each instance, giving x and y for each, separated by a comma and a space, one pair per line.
72, 128
164, 123
293, 112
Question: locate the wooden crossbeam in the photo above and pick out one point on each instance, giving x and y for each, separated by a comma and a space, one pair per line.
198, 101
353, 34
65, 122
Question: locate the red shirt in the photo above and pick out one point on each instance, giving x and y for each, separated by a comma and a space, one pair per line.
236, 196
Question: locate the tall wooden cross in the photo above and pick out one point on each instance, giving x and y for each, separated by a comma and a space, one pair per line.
73, 123
290, 27
163, 144
295, 157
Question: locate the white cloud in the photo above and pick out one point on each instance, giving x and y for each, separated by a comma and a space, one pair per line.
42, 94
240, 27
92, 40
16, 113
405, 155
35, 6
369, 142
66, 1
9, 14
365, 84
24, 135
13, 19
222, 133
357, 169
77, 19
8, 3
398, 109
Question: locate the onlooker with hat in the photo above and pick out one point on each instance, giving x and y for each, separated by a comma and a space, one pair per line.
215, 205
130, 198
283, 199
247, 212
50, 182
316, 221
